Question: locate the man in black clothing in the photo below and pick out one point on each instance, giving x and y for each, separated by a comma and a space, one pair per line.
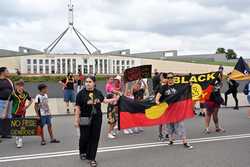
233, 85
6, 88
156, 81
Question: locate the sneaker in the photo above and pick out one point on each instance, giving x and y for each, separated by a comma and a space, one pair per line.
141, 129
83, 156
130, 131
188, 146
236, 108
220, 130
200, 114
43, 142
68, 111
126, 132
110, 136
170, 143
206, 131
160, 137
166, 137
20, 143
113, 133
17, 140
136, 130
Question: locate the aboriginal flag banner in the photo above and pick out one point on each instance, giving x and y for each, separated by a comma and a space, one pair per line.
175, 108
202, 84
241, 71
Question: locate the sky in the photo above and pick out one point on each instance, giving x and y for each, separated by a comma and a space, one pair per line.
189, 26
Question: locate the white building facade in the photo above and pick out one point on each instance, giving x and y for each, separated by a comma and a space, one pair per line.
88, 64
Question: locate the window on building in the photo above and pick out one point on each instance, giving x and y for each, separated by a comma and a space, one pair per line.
127, 67
40, 61
35, 69
123, 69
46, 69
85, 69
69, 65
127, 62
52, 61
63, 66
85, 61
52, 69
96, 65
105, 66
34, 61
58, 64
28, 61
41, 69
117, 62
113, 69
133, 63
101, 66
74, 66
123, 62
28, 69
46, 61
118, 70
113, 62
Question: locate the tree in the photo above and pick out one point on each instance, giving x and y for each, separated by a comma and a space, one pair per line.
231, 54
220, 51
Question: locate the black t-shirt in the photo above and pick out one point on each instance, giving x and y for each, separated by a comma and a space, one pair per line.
166, 91
156, 82
139, 94
233, 85
84, 96
6, 89
69, 83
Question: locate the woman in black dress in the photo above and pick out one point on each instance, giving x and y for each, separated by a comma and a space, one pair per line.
88, 117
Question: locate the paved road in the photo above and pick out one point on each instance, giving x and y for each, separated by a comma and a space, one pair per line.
227, 150
55, 90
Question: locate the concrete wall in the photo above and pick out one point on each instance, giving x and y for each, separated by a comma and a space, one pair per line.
183, 67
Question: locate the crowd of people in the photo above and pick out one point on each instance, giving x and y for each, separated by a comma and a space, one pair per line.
88, 111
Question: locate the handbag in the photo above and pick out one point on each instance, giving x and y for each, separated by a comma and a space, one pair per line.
87, 120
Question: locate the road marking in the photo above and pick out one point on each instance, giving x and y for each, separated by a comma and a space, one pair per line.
118, 148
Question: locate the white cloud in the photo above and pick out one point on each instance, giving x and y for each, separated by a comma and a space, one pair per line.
188, 26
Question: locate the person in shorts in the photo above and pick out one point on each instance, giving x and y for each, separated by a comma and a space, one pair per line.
68, 90
43, 113
176, 128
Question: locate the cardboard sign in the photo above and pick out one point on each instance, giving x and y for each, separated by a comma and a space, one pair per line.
24, 127
136, 73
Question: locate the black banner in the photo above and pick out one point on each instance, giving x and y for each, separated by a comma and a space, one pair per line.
22, 127
136, 73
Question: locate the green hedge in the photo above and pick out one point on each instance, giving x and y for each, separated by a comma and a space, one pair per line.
44, 78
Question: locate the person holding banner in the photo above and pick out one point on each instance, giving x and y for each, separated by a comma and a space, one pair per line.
175, 128
6, 89
19, 107
88, 117
212, 106
232, 89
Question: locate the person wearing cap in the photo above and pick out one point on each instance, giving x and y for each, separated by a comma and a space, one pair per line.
6, 89
19, 106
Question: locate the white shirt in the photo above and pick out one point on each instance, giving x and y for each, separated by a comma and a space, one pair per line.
42, 101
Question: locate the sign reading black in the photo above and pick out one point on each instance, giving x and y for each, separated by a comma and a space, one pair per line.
24, 127
136, 73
